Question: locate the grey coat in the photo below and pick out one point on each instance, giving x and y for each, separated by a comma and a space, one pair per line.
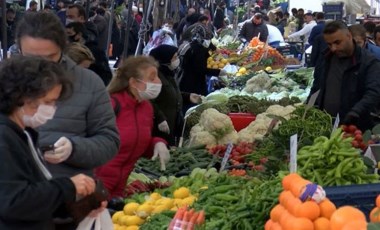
88, 120
250, 30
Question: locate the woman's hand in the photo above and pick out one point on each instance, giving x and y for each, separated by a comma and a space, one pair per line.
95, 213
84, 185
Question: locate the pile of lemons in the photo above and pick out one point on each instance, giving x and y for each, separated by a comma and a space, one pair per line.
242, 71
135, 214
215, 62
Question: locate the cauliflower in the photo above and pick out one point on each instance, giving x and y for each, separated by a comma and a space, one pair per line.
196, 129
258, 83
280, 111
232, 137
216, 123
202, 138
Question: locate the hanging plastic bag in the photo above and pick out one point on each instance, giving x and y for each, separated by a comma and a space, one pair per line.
102, 222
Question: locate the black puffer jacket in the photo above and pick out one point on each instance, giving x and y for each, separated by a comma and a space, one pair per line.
360, 90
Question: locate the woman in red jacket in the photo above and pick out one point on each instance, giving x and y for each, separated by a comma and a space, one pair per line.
135, 83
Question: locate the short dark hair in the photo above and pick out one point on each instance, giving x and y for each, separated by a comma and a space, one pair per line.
300, 9
44, 25
47, 6
286, 14
358, 30
100, 11
77, 27
258, 16
320, 16
334, 26
279, 14
23, 77
202, 18
10, 11
369, 26
294, 10
32, 3
375, 31
80, 8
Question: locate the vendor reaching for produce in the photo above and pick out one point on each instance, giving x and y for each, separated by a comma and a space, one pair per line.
194, 56
254, 27
135, 83
168, 104
306, 30
348, 78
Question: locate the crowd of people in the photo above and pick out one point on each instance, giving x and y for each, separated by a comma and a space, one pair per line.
66, 119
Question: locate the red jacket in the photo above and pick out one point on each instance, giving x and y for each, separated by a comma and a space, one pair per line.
135, 123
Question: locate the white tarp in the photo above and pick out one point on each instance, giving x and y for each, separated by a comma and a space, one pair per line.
350, 6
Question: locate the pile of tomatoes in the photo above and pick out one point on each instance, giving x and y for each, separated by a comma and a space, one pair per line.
238, 151
354, 132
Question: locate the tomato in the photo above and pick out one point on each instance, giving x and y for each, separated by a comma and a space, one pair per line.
352, 128
238, 158
355, 144
239, 149
359, 137
358, 132
362, 146
344, 128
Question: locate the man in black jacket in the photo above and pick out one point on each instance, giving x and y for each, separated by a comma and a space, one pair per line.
253, 28
347, 78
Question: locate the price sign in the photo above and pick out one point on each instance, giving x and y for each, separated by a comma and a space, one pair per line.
336, 123
313, 99
226, 156
293, 153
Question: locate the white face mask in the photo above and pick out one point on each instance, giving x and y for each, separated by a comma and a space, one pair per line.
68, 21
206, 43
151, 92
43, 114
141, 10
174, 64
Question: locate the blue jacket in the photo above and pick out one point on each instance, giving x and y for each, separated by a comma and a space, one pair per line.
373, 49
317, 30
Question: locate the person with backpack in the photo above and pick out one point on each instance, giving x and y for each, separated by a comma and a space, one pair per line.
136, 82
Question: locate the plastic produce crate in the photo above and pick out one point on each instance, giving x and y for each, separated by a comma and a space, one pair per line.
362, 196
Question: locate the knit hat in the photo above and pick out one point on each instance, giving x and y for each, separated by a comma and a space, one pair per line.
163, 53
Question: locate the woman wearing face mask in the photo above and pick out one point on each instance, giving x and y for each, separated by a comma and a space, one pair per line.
194, 64
29, 196
136, 82
168, 104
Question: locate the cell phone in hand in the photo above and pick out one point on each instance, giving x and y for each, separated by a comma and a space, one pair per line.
46, 148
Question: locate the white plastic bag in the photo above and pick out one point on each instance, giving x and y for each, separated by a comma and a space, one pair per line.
102, 222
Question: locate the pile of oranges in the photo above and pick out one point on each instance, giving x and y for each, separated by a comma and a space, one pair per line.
375, 213
264, 51
293, 214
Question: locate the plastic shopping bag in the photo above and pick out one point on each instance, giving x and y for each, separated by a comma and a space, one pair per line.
102, 222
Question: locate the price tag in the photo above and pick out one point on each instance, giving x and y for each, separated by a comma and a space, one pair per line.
313, 99
293, 153
336, 123
226, 156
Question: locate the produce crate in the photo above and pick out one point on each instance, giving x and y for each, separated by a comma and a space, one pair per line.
333, 11
292, 50
241, 120
361, 196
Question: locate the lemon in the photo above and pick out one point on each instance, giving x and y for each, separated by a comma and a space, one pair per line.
174, 209
221, 65
159, 209
168, 203
189, 200
242, 70
209, 66
209, 59
130, 208
211, 63
155, 196
181, 193
177, 202
215, 66
268, 69
116, 226
238, 74
132, 227
122, 228
116, 216
224, 61
144, 210
123, 220
132, 220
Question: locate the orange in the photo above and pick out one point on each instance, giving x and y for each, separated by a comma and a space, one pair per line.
374, 216
355, 225
309, 210
343, 215
378, 201
284, 197
327, 208
302, 224
297, 186
294, 206
321, 223
290, 202
268, 225
276, 226
289, 179
276, 213
286, 219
